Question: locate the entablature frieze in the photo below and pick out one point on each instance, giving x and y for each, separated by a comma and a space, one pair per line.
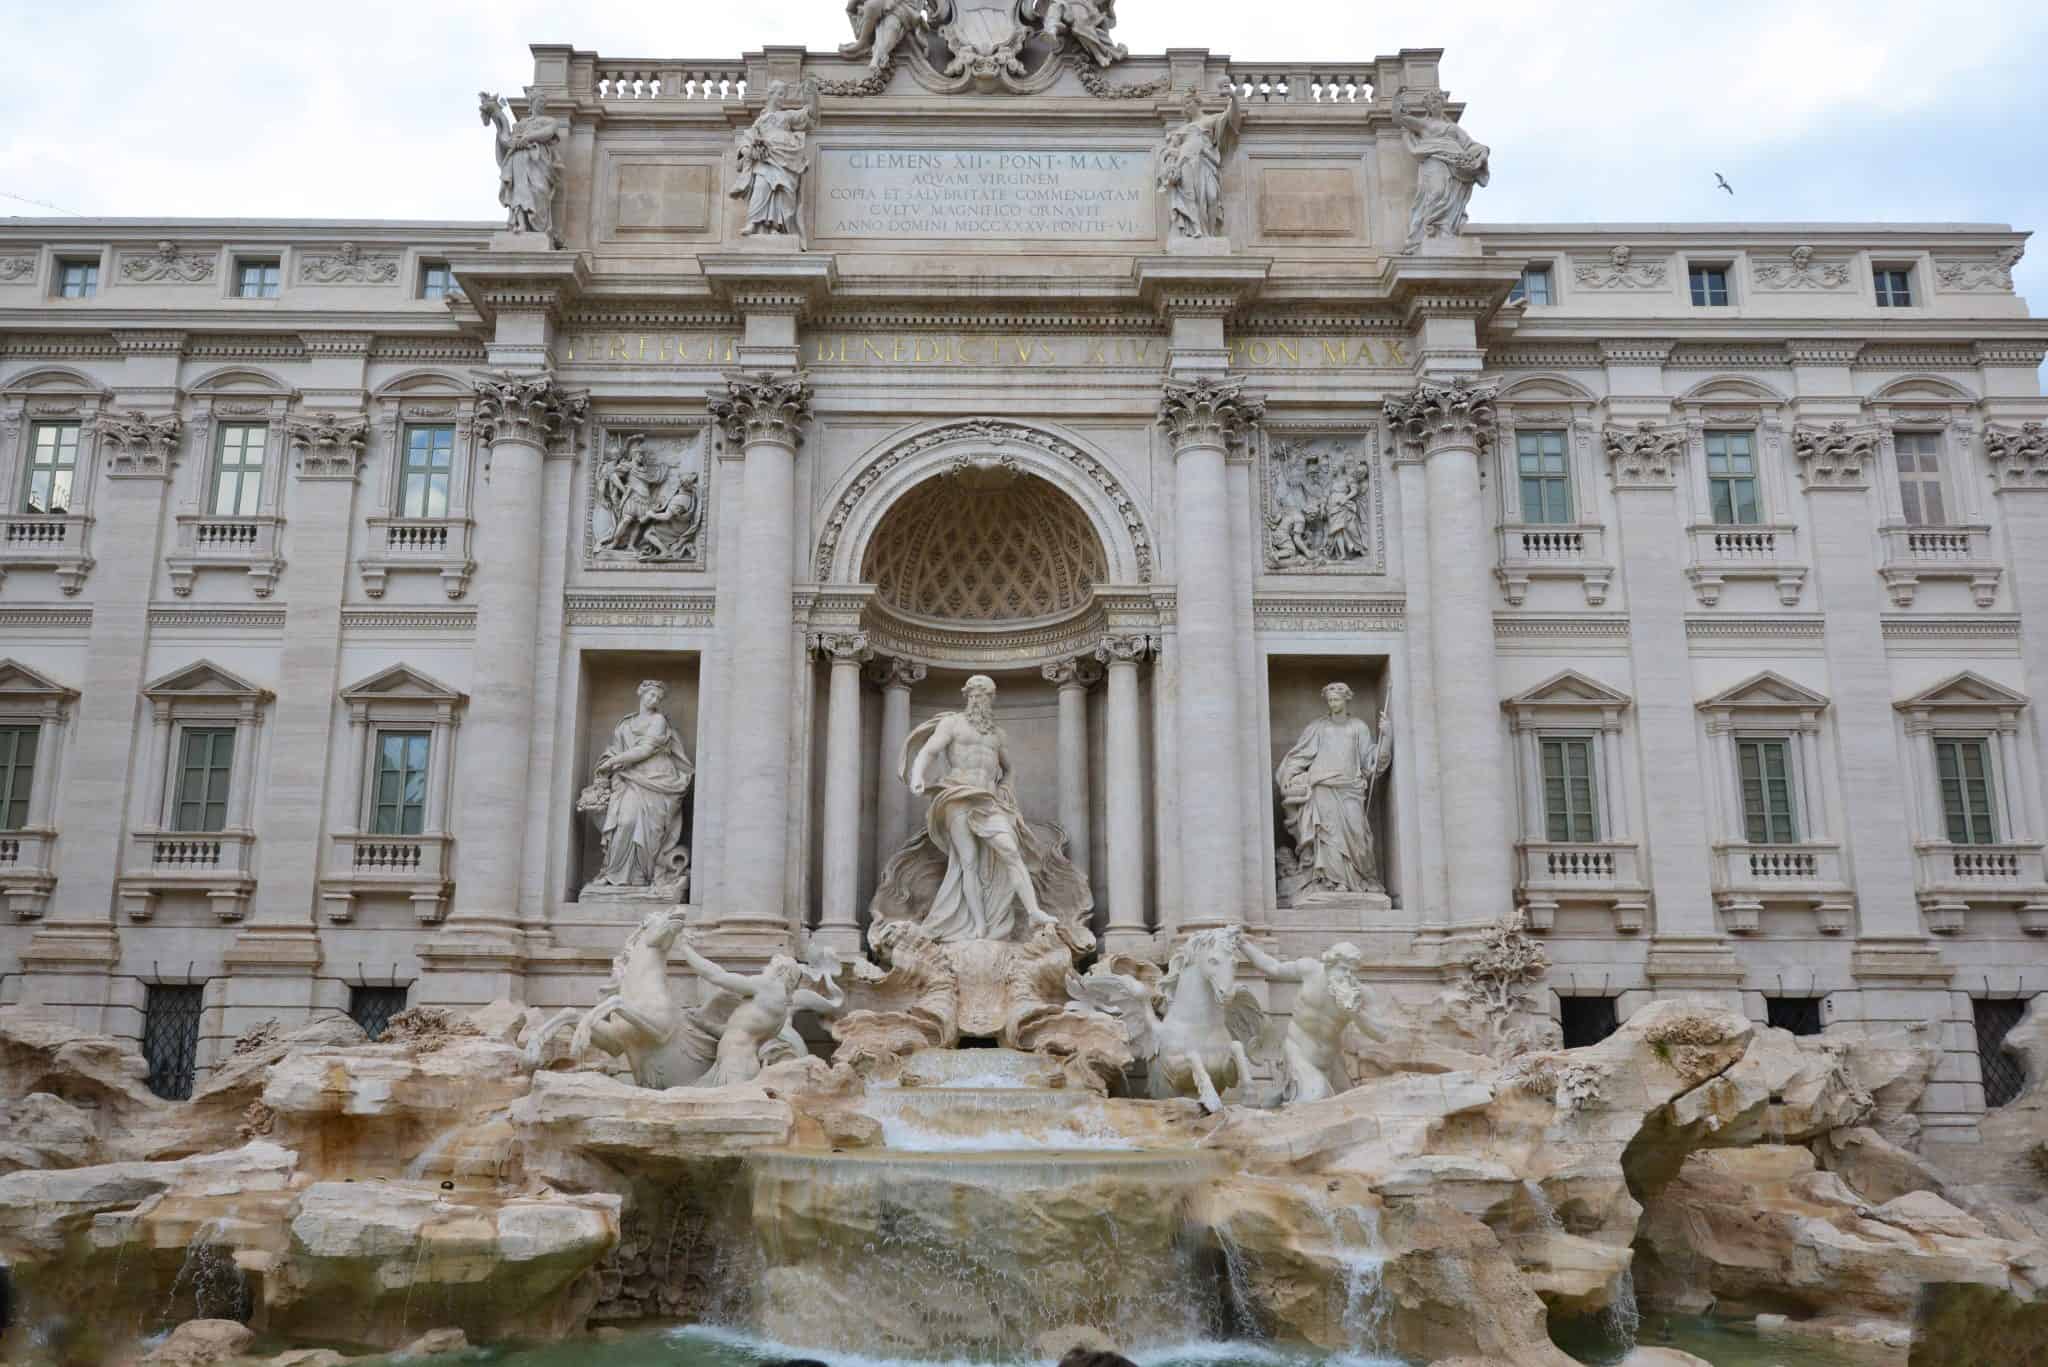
679, 610
1288, 613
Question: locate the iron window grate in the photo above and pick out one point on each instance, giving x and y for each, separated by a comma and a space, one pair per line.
170, 1037
1800, 1015
2004, 1079
1586, 1020
373, 1007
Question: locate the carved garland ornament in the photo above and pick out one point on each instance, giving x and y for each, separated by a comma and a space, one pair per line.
16, 267
527, 408
1644, 456
1434, 416
997, 433
2020, 454
1801, 271
1621, 273
763, 406
1964, 275
167, 263
1208, 412
1835, 456
347, 265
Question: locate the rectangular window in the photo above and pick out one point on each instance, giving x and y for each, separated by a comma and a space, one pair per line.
1568, 789
1731, 479
373, 1007
1546, 480
1766, 773
238, 468
2004, 1079
1534, 286
437, 281
170, 1037
78, 279
52, 467
1894, 287
1586, 1020
1920, 478
1709, 286
206, 760
1964, 768
1800, 1015
423, 479
257, 277
399, 792
17, 773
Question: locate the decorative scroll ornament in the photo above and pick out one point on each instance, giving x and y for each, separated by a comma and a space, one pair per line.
346, 265
851, 646
894, 671
1124, 650
1646, 455
1621, 273
644, 509
330, 445
1434, 416
1835, 456
763, 406
167, 263
527, 408
1015, 45
139, 444
1995, 274
2019, 454
1207, 411
1081, 670
1801, 272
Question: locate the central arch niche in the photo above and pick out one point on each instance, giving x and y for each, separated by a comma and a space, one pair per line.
985, 545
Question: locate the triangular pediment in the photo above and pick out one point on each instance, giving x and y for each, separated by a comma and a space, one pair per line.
1967, 689
18, 681
1768, 689
1569, 689
400, 683
204, 678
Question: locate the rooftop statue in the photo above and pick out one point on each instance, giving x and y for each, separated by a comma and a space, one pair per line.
1188, 166
529, 163
1449, 162
1086, 22
770, 157
880, 26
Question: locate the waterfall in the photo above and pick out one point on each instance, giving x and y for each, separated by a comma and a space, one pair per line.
1354, 1234
219, 1288
1547, 1219
1622, 1319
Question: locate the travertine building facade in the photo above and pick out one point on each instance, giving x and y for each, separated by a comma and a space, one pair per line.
1701, 571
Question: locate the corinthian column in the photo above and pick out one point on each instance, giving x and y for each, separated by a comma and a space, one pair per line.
1124, 831
837, 922
1073, 678
1204, 416
895, 677
517, 418
764, 412
1448, 424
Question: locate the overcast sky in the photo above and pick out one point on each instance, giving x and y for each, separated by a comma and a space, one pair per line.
1880, 109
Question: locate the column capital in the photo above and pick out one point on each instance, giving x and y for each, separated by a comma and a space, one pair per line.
764, 406
1645, 456
1124, 649
1436, 417
2019, 455
140, 444
843, 647
892, 671
1836, 456
1207, 411
1079, 672
531, 408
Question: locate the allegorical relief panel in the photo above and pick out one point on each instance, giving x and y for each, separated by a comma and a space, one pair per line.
1322, 504
647, 499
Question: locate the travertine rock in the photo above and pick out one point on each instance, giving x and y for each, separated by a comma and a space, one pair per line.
595, 1116
372, 1110
435, 1342
1875, 1168
1785, 1089
200, 1343
42, 1131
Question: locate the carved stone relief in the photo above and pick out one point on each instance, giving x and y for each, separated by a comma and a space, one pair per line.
647, 504
1836, 456
1019, 46
1645, 456
2019, 454
168, 264
1622, 272
140, 443
1956, 276
1322, 508
16, 267
348, 264
329, 445
1802, 271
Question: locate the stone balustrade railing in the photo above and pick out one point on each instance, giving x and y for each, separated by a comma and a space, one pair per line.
412, 866
1302, 84
627, 79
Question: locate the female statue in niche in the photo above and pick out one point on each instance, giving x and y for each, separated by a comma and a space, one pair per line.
639, 785
529, 163
1326, 784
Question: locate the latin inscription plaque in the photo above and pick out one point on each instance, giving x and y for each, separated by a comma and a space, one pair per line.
1024, 192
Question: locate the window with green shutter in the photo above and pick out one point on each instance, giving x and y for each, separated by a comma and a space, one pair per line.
1568, 789
1546, 482
399, 797
52, 467
1964, 768
238, 468
206, 761
423, 480
1767, 803
1731, 479
17, 773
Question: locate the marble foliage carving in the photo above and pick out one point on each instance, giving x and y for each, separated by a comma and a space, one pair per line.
1644, 456
348, 264
167, 264
1326, 783
1449, 163
647, 503
1835, 456
330, 445
1965, 275
1800, 271
529, 156
1318, 507
770, 158
1622, 272
140, 443
636, 795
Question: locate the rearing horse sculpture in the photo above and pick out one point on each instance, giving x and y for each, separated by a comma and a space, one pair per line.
1198, 1047
665, 1044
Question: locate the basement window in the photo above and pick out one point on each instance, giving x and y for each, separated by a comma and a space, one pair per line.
1586, 1020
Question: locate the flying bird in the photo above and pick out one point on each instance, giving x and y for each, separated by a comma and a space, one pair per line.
1722, 183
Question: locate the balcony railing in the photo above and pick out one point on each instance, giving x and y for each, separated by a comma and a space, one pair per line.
629, 79
438, 545
47, 541
1530, 551
414, 867
1302, 85
244, 543
1607, 872
216, 864
25, 870
1955, 878
1747, 552
1812, 874
1912, 554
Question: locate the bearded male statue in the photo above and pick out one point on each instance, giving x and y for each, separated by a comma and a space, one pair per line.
1332, 998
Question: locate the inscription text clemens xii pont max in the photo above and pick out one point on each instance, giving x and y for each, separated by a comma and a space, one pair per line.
1027, 192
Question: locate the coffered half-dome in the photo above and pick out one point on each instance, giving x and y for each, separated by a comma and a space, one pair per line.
985, 545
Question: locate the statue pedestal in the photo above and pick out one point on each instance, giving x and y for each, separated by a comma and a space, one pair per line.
509, 241
1338, 911
639, 899
1197, 246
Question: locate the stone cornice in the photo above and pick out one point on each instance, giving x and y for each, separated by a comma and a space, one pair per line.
763, 407
760, 282
546, 282
1207, 411
1198, 286
1439, 417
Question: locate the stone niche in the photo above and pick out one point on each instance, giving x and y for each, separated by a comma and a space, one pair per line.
611, 681
1294, 688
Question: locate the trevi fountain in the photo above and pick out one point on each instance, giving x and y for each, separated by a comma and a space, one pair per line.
1225, 1024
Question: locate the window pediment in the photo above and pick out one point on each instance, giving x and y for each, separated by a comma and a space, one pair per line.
1768, 691
401, 683
1968, 690
19, 683
1565, 699
207, 681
